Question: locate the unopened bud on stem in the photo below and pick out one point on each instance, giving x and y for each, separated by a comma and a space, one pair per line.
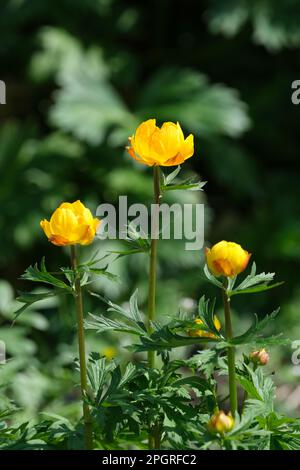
220, 423
259, 357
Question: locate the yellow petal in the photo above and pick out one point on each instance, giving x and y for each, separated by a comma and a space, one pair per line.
86, 217
66, 205
78, 208
180, 133
88, 236
144, 160
165, 142
165, 146
71, 223
63, 222
141, 140
46, 227
217, 323
223, 267
187, 147
96, 224
90, 232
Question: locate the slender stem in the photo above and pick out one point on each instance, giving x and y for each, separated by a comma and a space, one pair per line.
157, 435
154, 439
88, 435
230, 354
153, 258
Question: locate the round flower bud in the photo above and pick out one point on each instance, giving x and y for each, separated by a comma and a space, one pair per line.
259, 357
220, 423
227, 259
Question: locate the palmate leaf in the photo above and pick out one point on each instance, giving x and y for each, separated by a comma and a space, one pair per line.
189, 184
253, 283
36, 274
90, 267
86, 270
206, 361
129, 374
258, 387
132, 313
133, 249
94, 259
116, 391
253, 406
136, 242
171, 176
98, 371
195, 382
163, 338
101, 324
251, 336
166, 339
89, 270
249, 387
253, 278
133, 308
29, 298
253, 290
284, 430
40, 274
130, 320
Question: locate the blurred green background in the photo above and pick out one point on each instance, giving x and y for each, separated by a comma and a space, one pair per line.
80, 76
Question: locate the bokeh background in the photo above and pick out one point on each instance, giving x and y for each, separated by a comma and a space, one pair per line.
80, 76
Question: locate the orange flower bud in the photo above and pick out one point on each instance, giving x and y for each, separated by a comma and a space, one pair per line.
165, 146
259, 357
220, 423
198, 330
70, 223
227, 259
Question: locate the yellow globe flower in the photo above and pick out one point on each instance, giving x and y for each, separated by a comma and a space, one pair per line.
199, 332
220, 422
165, 146
70, 223
227, 259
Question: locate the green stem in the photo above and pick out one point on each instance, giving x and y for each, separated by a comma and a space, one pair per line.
157, 435
153, 259
230, 354
88, 435
154, 439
